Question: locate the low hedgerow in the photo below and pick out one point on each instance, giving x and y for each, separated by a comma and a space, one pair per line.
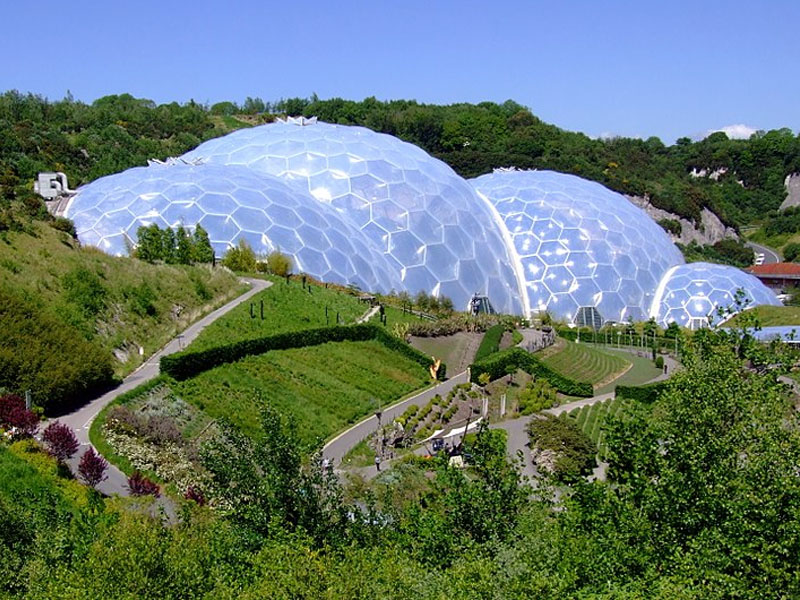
646, 394
490, 342
187, 364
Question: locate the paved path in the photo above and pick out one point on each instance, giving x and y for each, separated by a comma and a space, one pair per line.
336, 449
369, 314
81, 419
770, 255
518, 428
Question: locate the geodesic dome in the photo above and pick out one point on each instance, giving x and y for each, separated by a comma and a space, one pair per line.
231, 203
583, 252
415, 209
689, 294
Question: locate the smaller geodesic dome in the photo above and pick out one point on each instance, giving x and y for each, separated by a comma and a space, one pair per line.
583, 252
691, 294
231, 203
429, 223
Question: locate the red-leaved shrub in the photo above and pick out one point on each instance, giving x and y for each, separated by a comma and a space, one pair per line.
60, 440
92, 467
14, 414
193, 493
140, 485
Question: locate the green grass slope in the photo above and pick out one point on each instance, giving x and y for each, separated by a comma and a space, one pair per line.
584, 363
287, 307
73, 305
769, 316
324, 387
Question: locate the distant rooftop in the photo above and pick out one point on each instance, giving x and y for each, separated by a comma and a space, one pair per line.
784, 270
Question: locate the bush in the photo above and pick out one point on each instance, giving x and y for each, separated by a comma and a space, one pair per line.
92, 467
646, 394
13, 414
537, 395
279, 263
240, 258
490, 342
60, 441
65, 225
659, 362
574, 450
183, 365
139, 485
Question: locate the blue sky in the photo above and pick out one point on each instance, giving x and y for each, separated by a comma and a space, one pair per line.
629, 68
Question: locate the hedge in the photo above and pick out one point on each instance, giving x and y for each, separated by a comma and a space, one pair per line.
490, 342
646, 394
501, 363
183, 365
599, 337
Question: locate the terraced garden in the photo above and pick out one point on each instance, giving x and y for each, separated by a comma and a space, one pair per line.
591, 419
585, 363
287, 307
323, 387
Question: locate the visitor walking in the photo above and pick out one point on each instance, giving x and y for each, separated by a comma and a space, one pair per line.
378, 463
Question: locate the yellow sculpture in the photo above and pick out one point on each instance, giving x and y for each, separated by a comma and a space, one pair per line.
434, 368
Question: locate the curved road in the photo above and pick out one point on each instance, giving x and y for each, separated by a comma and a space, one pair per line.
770, 256
80, 420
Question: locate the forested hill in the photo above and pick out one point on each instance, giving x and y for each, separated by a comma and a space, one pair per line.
117, 132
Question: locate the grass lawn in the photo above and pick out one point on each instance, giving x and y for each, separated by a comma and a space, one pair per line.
771, 315
323, 387
287, 307
642, 371
396, 315
586, 363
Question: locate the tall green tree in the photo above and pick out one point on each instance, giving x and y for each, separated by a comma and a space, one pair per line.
202, 251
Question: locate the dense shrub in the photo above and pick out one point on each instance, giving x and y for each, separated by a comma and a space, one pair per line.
187, 364
42, 354
508, 361
573, 449
139, 485
279, 263
92, 467
537, 395
240, 258
659, 362
13, 414
60, 441
490, 342
646, 394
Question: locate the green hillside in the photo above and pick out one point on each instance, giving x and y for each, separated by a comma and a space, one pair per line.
72, 317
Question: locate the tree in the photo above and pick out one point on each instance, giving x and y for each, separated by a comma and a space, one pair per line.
92, 467
279, 264
184, 247
60, 440
240, 258
148, 245
203, 252
791, 252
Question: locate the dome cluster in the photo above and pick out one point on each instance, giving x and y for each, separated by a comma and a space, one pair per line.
581, 249
357, 207
690, 295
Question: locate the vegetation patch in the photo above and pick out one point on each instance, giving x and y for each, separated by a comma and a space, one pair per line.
490, 342
324, 387
283, 307
585, 363
592, 419
560, 447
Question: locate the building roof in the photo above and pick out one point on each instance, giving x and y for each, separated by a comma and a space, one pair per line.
783, 270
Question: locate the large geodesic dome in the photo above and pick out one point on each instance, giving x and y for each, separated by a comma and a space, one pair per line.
583, 252
231, 203
689, 294
415, 209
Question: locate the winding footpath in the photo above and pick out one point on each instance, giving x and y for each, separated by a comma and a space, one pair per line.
81, 420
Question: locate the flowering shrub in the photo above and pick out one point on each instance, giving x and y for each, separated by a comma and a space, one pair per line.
193, 493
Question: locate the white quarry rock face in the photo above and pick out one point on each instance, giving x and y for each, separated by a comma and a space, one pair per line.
792, 184
710, 230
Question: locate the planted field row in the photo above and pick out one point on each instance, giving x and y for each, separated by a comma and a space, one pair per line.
592, 419
585, 363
